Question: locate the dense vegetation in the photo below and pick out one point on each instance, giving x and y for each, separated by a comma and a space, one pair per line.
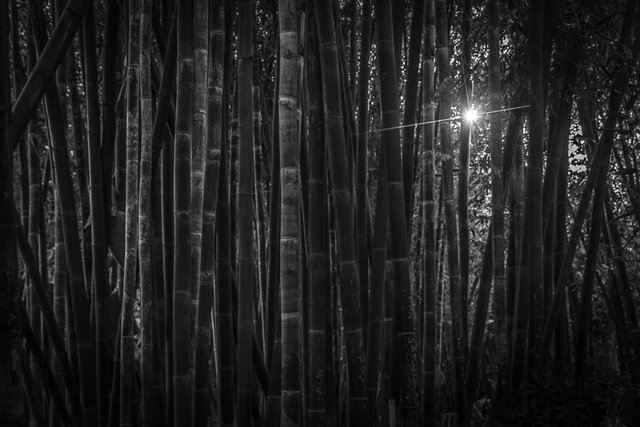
261, 212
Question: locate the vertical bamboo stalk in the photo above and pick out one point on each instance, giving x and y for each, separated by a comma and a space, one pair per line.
430, 257
497, 183
198, 144
147, 306
362, 208
182, 237
12, 406
245, 212
215, 81
343, 211
317, 252
463, 171
404, 311
127, 338
411, 106
290, 221
455, 297
100, 290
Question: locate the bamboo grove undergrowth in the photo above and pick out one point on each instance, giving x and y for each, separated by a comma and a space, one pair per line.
262, 212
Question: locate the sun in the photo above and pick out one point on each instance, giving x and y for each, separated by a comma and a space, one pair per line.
471, 115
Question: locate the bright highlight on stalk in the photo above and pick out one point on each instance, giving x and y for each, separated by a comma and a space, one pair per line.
471, 115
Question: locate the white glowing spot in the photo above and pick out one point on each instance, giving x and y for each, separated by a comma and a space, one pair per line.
471, 115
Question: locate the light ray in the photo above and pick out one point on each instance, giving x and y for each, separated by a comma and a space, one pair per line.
502, 110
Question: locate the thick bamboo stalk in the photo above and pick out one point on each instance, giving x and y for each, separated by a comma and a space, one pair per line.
316, 229
290, 221
182, 237
198, 143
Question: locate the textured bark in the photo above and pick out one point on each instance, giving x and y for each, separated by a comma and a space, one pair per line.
198, 150
290, 221
182, 354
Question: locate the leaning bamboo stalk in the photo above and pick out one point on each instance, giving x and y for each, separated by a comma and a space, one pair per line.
50, 56
53, 315
71, 236
601, 168
598, 173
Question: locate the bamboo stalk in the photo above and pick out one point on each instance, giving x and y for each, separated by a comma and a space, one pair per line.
182, 237
343, 211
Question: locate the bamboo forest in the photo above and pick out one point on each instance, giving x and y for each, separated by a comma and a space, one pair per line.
319, 213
